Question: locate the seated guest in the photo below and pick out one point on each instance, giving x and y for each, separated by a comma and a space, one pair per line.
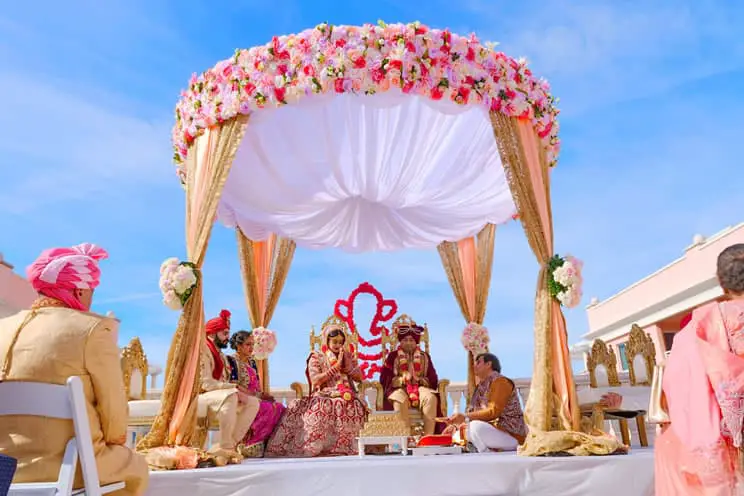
408, 378
496, 421
54, 340
235, 407
699, 449
244, 373
327, 422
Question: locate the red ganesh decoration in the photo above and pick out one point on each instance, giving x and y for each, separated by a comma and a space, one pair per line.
386, 309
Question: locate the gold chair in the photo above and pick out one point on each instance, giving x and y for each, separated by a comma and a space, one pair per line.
641, 354
602, 365
142, 411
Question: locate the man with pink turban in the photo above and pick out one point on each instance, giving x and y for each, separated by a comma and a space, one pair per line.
58, 338
234, 408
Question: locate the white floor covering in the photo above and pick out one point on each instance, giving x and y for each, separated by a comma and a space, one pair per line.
492, 474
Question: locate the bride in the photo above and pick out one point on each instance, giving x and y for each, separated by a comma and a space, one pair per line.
327, 422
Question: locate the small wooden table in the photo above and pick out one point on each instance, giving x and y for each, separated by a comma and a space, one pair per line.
390, 441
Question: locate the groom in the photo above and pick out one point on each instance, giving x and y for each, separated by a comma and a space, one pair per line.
409, 378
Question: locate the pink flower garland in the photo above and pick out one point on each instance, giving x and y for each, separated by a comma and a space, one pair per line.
365, 60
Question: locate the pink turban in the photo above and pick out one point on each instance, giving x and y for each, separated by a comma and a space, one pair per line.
58, 272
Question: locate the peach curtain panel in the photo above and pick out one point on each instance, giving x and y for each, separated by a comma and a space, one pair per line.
552, 390
264, 266
468, 265
207, 167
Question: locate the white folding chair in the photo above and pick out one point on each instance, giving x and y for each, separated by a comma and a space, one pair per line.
60, 402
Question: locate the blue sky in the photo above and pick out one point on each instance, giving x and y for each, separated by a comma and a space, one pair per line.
651, 126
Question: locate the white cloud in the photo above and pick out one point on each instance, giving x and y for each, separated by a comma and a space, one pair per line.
78, 147
599, 52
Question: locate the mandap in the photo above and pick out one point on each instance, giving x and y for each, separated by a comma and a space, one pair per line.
374, 137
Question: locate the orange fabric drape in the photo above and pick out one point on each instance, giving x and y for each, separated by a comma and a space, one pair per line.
468, 265
207, 167
466, 254
563, 383
264, 265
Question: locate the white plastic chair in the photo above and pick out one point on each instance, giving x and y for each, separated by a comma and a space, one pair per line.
60, 402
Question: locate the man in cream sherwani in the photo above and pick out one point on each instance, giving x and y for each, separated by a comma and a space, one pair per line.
234, 408
55, 339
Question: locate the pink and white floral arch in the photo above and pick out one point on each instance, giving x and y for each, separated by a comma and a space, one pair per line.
412, 163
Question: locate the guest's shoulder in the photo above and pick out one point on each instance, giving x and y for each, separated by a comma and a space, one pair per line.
13, 321
86, 322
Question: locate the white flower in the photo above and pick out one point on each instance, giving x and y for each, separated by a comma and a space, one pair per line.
168, 264
172, 301
184, 279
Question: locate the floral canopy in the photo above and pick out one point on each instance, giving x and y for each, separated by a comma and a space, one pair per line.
374, 137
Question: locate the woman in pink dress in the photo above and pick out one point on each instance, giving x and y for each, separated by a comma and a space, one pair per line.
703, 387
244, 373
327, 422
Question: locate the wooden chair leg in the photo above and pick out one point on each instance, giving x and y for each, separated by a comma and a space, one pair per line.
642, 436
598, 417
625, 432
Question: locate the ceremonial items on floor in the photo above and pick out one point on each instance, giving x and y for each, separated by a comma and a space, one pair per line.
435, 440
184, 458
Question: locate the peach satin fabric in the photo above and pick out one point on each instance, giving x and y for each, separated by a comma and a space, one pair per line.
704, 390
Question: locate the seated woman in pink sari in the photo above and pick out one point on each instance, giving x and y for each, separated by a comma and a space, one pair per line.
327, 422
703, 388
244, 373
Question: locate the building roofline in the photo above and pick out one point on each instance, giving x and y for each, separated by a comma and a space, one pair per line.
701, 244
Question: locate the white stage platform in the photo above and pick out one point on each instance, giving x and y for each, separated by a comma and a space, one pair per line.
490, 474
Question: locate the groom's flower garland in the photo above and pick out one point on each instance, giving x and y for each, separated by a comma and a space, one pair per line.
369, 59
565, 280
177, 282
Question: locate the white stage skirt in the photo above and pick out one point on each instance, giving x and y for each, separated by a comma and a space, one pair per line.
487, 474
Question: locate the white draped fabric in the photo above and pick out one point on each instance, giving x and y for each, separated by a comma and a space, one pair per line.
380, 172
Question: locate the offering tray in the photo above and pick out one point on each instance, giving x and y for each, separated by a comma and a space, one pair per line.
437, 450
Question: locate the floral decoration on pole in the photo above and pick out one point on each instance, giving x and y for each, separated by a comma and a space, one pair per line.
475, 339
177, 282
565, 280
264, 342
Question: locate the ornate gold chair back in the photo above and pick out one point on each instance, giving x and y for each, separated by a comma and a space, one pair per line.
390, 342
316, 339
316, 344
641, 355
602, 365
134, 370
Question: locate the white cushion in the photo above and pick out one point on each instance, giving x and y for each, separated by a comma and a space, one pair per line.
639, 367
144, 408
600, 374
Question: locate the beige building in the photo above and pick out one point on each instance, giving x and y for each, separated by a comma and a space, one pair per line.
661, 302
16, 292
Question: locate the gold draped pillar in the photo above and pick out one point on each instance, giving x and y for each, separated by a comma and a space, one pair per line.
552, 388
207, 167
264, 266
468, 264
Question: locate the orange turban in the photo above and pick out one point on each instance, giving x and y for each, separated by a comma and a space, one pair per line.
217, 324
